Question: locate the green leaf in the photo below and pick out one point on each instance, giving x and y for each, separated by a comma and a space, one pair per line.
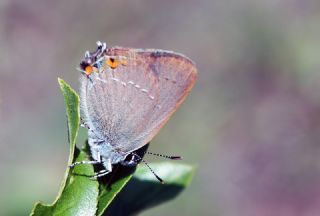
78, 193
144, 190
108, 194
71, 100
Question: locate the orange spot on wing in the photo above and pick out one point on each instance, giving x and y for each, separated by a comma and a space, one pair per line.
88, 70
113, 63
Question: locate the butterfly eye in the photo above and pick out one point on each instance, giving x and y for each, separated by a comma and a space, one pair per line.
113, 63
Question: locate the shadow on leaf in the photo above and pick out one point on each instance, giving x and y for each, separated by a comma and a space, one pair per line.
139, 195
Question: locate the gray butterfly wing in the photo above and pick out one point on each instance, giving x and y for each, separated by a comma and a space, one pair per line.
128, 105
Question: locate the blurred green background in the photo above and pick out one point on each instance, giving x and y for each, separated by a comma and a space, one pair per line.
251, 124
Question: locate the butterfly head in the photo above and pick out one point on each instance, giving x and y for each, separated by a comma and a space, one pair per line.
92, 61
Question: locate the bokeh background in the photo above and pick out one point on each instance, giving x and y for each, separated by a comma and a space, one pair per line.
251, 124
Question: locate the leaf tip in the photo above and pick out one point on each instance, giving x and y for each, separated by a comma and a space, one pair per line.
61, 81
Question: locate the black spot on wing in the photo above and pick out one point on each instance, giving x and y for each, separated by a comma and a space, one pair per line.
158, 54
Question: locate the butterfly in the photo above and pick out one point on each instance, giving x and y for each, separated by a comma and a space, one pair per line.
126, 96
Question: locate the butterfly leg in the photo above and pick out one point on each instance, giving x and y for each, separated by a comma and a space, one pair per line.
108, 169
84, 162
87, 162
100, 174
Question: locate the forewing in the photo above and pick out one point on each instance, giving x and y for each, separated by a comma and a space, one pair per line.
128, 105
